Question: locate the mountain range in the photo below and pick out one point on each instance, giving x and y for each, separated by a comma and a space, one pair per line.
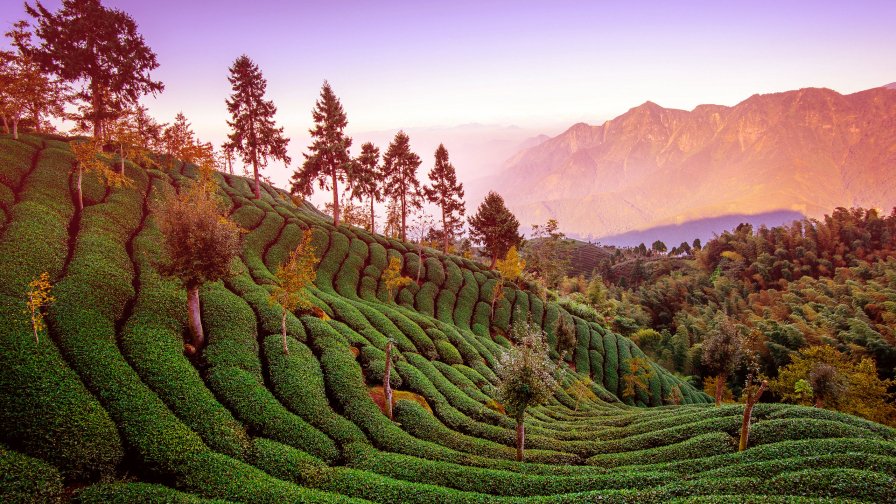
802, 152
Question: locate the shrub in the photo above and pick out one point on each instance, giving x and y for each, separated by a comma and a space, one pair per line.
448, 353
24, 479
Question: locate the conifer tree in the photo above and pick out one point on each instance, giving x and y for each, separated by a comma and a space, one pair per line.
448, 194
400, 177
329, 162
494, 227
254, 135
88, 44
366, 179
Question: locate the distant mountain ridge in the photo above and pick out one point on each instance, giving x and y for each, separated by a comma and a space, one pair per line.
806, 151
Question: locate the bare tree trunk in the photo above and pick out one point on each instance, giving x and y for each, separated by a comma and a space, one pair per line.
372, 219
497, 293
520, 439
720, 387
387, 387
15, 129
404, 217
121, 157
37, 121
494, 261
196, 333
5, 124
444, 233
283, 332
748, 412
255, 171
79, 206
420, 262
335, 199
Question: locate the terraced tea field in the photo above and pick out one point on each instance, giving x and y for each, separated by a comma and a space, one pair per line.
106, 407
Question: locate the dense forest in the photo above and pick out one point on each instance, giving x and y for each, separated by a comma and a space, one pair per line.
829, 281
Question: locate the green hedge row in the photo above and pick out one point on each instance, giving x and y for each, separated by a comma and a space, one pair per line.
298, 382
25, 480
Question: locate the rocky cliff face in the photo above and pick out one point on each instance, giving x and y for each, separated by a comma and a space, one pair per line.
808, 151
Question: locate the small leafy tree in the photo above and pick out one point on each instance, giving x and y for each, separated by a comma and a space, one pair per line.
89, 157
39, 297
199, 244
581, 390
548, 253
526, 377
637, 380
392, 277
722, 352
420, 227
495, 227
509, 270
293, 278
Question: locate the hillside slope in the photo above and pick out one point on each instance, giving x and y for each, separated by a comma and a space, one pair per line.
807, 151
109, 407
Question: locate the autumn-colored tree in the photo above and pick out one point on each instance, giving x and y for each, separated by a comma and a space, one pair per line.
329, 162
581, 390
253, 135
860, 390
637, 380
392, 277
227, 157
293, 278
393, 219
400, 178
494, 227
526, 377
722, 351
38, 298
448, 194
509, 271
127, 133
98, 48
90, 158
199, 244
366, 181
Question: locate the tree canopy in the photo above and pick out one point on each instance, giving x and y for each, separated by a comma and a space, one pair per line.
494, 227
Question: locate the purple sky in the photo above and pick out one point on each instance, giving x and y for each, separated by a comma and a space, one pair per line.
542, 65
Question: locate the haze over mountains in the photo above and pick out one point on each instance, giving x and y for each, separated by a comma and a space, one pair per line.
783, 154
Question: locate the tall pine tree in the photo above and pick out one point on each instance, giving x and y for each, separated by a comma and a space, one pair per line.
366, 179
254, 135
329, 162
89, 44
400, 177
448, 194
495, 228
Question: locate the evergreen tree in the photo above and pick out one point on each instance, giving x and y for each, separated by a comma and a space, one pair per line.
329, 162
495, 228
366, 179
89, 44
254, 135
400, 177
448, 194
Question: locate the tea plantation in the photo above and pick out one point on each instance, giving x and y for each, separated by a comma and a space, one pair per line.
106, 407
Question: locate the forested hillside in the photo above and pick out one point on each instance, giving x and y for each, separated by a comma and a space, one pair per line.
107, 404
